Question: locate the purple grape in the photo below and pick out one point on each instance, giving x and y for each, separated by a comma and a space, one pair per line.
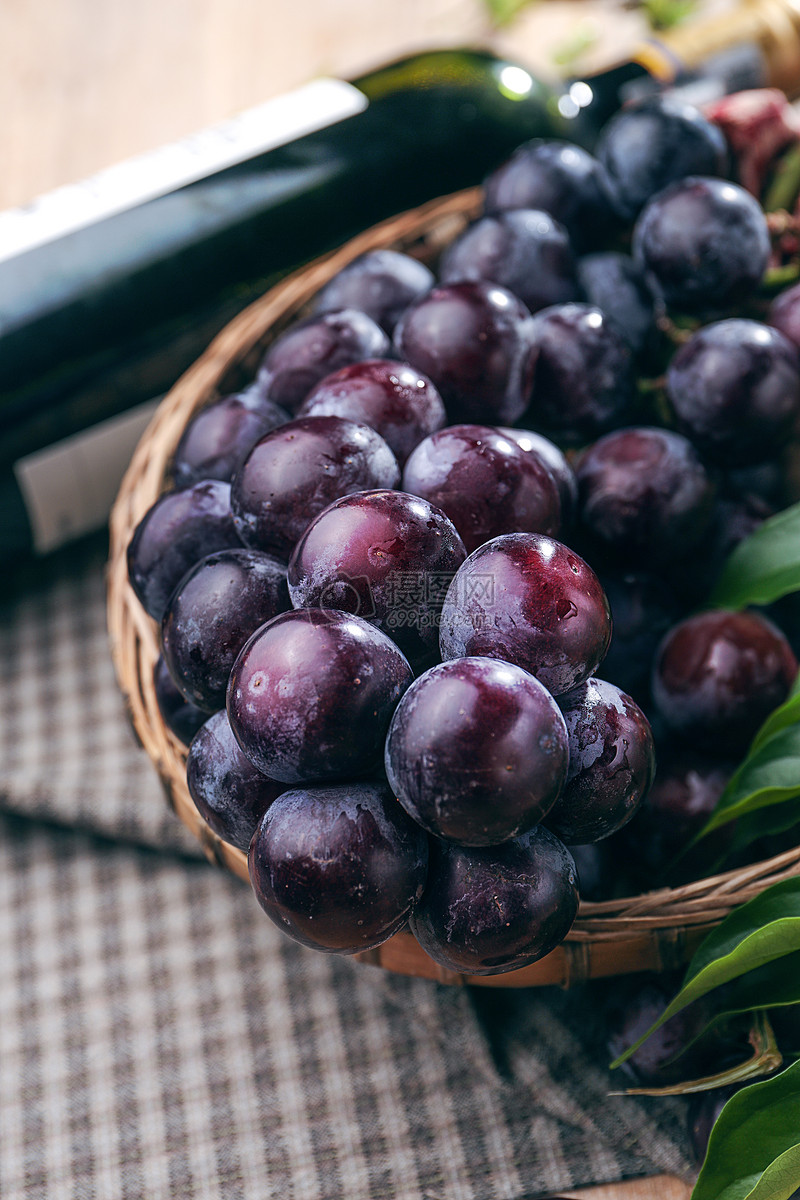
217, 439
387, 556
706, 243
492, 910
615, 284
631, 1013
557, 464
735, 390
528, 599
784, 314
611, 763
175, 533
485, 483
296, 471
312, 693
559, 178
473, 341
380, 283
644, 495
642, 610
392, 397
653, 143
218, 604
476, 751
229, 793
311, 349
583, 381
338, 868
718, 675
182, 717
525, 251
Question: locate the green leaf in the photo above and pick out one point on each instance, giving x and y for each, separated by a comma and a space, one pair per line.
764, 822
666, 14
783, 191
769, 775
763, 567
780, 718
502, 12
761, 930
754, 1148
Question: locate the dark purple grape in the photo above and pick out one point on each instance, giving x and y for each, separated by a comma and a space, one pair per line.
718, 675
380, 283
644, 495
557, 464
683, 796
487, 911
559, 178
296, 471
229, 793
583, 380
706, 243
704, 1109
473, 341
183, 718
525, 250
485, 483
338, 868
311, 349
217, 439
733, 520
312, 693
477, 751
211, 614
784, 314
632, 1011
735, 390
642, 610
387, 556
611, 763
615, 284
528, 599
653, 143
175, 533
392, 397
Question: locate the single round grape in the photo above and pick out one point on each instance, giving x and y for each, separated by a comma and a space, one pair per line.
525, 250
718, 675
296, 471
175, 533
557, 464
393, 398
311, 695
653, 143
735, 390
473, 341
632, 1011
338, 868
380, 283
491, 910
706, 243
228, 792
182, 717
784, 314
558, 178
211, 614
616, 285
485, 483
644, 494
218, 439
387, 556
477, 751
528, 599
309, 350
583, 380
611, 763
643, 608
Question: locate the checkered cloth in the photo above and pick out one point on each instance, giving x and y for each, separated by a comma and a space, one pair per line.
160, 1038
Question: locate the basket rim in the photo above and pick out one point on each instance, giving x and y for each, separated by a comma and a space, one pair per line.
661, 927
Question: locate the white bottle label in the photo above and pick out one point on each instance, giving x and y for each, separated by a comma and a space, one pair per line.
70, 487
274, 123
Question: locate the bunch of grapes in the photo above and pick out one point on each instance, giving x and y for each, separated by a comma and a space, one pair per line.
379, 623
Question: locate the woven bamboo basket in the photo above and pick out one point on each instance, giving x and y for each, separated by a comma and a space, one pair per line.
657, 931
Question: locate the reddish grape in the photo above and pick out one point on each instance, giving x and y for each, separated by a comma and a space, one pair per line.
182, 717
380, 283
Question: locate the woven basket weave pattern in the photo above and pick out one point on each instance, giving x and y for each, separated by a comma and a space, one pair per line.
656, 931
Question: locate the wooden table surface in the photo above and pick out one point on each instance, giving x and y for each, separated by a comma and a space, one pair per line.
86, 83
